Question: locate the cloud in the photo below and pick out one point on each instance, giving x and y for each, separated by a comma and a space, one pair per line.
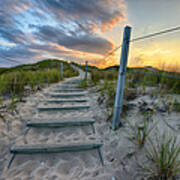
38, 28
103, 13
86, 43
9, 9
18, 52
12, 35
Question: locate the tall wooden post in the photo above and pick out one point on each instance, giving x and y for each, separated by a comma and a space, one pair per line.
121, 79
61, 70
86, 70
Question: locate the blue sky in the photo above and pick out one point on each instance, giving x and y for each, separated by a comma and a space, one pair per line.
77, 30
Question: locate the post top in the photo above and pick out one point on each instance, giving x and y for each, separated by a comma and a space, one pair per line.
128, 27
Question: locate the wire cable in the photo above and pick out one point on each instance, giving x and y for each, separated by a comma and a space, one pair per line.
144, 37
156, 34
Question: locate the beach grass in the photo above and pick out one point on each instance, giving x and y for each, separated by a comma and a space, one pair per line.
17, 80
163, 154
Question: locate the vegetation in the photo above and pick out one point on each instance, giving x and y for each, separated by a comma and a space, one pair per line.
164, 156
173, 106
140, 77
17, 80
83, 84
139, 132
137, 80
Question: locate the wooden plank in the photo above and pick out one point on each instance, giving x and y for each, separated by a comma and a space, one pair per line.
60, 124
65, 101
34, 149
67, 86
62, 108
73, 82
65, 95
68, 90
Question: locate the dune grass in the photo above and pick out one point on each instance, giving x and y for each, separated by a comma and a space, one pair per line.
139, 132
139, 77
164, 155
16, 80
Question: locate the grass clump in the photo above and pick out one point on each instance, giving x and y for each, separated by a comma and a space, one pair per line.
96, 76
164, 157
83, 84
173, 106
138, 133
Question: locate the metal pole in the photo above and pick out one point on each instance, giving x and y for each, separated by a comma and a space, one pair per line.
61, 70
86, 70
121, 78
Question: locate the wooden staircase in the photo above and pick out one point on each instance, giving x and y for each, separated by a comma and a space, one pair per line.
64, 98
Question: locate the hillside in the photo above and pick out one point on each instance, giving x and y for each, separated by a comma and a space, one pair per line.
17, 80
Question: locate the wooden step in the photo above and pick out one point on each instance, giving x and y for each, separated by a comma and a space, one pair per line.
33, 149
68, 90
60, 124
67, 86
65, 101
73, 82
65, 95
62, 108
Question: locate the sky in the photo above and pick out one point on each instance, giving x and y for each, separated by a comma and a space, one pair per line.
87, 30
